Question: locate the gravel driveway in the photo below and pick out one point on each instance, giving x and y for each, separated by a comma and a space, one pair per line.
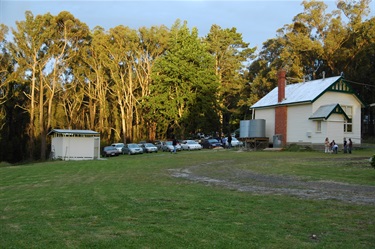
257, 183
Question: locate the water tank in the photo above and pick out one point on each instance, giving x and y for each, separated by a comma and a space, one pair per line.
244, 128
257, 128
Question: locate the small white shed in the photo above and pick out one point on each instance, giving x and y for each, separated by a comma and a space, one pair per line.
75, 144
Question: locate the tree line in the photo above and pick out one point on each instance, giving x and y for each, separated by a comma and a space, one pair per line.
152, 83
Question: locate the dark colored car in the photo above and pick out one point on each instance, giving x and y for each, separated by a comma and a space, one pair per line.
211, 143
110, 151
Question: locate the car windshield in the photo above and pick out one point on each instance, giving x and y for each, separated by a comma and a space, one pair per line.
213, 141
133, 146
149, 145
191, 142
168, 143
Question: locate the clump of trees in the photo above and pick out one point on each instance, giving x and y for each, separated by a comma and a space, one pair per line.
150, 83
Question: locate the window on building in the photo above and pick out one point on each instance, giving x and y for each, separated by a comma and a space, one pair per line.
348, 125
318, 126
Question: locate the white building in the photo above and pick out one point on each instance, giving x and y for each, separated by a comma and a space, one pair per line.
75, 144
308, 112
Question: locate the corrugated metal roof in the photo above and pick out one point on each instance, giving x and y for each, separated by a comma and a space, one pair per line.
325, 111
296, 93
75, 132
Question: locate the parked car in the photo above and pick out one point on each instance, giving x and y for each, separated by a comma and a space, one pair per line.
159, 144
132, 149
149, 148
119, 147
235, 142
168, 146
190, 145
211, 143
143, 149
110, 151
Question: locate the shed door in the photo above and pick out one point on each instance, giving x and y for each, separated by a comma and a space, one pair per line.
96, 147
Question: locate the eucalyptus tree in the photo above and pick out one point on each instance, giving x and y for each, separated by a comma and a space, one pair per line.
69, 34
90, 79
120, 60
13, 121
153, 43
5, 63
231, 54
316, 43
42, 47
30, 51
183, 80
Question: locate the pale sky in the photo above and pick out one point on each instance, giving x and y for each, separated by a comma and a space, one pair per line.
257, 21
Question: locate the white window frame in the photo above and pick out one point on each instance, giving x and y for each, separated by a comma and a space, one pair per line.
348, 124
318, 126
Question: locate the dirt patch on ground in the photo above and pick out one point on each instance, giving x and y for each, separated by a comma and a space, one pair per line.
248, 181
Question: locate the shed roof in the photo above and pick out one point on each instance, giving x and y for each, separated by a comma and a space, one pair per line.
72, 132
325, 111
305, 92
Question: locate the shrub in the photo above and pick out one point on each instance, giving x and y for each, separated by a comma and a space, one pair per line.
372, 161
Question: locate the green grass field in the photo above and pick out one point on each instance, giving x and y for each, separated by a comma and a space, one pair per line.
135, 202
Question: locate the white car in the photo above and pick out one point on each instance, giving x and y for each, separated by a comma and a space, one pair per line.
190, 145
235, 142
119, 147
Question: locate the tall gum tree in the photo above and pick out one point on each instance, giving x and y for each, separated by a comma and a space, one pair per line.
68, 36
30, 51
91, 77
120, 48
230, 53
314, 43
153, 43
182, 79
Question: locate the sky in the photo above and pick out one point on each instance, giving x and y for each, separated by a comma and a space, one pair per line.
257, 21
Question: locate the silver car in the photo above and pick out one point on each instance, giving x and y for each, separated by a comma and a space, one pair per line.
119, 147
132, 149
149, 148
168, 146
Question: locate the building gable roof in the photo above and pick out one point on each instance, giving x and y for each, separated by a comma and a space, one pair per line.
305, 92
72, 132
325, 111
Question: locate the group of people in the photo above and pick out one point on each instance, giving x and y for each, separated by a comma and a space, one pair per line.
332, 147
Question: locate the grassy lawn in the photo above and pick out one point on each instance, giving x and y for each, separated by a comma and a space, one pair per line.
134, 202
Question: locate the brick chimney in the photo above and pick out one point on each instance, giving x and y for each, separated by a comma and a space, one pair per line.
281, 83
281, 112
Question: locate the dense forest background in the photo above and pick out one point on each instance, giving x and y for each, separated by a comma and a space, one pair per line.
156, 82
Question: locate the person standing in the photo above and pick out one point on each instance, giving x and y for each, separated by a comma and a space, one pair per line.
174, 143
350, 146
229, 141
326, 146
345, 146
